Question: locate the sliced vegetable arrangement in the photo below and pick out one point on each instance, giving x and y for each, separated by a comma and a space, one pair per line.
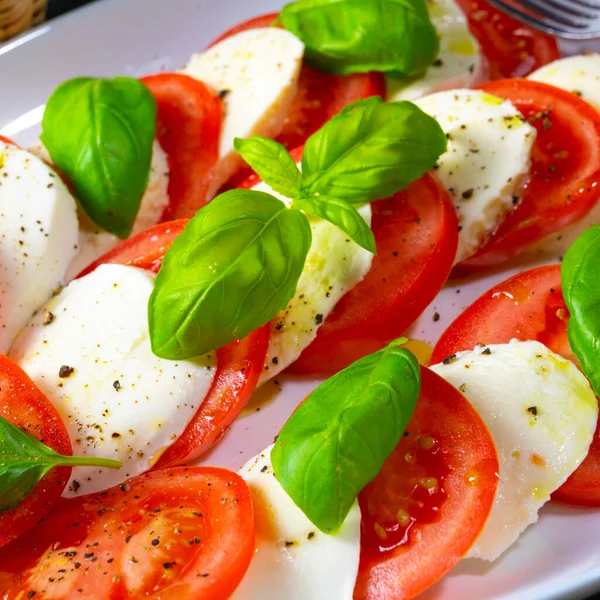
293, 200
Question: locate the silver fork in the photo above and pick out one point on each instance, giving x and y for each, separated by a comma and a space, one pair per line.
571, 19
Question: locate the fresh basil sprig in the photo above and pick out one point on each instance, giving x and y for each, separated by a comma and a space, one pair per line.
580, 273
339, 437
276, 167
356, 36
235, 266
367, 152
386, 146
25, 460
99, 132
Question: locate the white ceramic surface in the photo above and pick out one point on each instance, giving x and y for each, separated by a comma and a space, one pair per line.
557, 558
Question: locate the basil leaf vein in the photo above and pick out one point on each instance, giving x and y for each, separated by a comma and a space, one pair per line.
342, 215
100, 132
235, 266
24, 460
580, 272
340, 436
371, 150
272, 163
356, 36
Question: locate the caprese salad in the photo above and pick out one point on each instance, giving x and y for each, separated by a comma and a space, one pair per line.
292, 200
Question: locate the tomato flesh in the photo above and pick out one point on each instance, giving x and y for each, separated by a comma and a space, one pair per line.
416, 233
528, 306
188, 127
179, 533
24, 405
511, 48
145, 250
431, 499
564, 183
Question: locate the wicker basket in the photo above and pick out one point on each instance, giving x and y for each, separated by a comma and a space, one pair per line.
19, 15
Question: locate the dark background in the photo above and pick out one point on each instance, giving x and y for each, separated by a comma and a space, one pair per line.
58, 7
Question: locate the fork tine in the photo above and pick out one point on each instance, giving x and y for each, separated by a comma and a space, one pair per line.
543, 24
568, 7
593, 4
552, 17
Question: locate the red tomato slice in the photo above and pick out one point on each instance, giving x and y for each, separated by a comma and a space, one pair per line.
417, 235
511, 48
565, 174
188, 127
239, 364
172, 534
320, 96
23, 405
528, 306
431, 499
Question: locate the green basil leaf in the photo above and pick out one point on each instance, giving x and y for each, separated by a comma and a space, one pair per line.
580, 274
340, 436
233, 268
99, 132
25, 460
370, 150
356, 36
273, 164
342, 215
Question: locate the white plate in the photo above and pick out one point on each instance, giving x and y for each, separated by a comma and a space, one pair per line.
557, 558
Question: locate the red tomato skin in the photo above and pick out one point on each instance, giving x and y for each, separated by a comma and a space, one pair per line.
583, 486
511, 49
239, 365
188, 127
466, 456
528, 306
145, 250
524, 307
266, 20
178, 533
24, 405
320, 96
564, 184
416, 233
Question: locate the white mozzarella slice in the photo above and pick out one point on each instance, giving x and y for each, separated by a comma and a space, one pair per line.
38, 237
541, 413
258, 71
486, 162
293, 559
93, 241
334, 265
458, 64
577, 74
120, 401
